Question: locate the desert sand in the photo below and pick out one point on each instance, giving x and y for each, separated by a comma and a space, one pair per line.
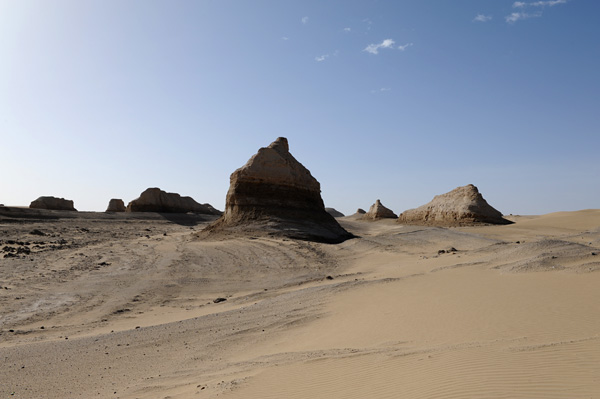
125, 306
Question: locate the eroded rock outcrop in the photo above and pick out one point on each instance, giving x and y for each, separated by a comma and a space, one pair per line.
53, 203
334, 212
157, 200
378, 211
116, 205
461, 206
273, 193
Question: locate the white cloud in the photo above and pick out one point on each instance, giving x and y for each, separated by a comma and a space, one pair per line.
321, 57
374, 48
347, 29
304, 20
550, 3
517, 16
383, 89
482, 18
285, 38
402, 48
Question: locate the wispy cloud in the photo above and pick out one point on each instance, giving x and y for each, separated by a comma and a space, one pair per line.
374, 48
383, 89
284, 38
304, 20
347, 29
482, 18
402, 48
517, 16
549, 3
322, 58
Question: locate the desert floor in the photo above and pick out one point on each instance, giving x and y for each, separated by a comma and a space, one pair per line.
115, 306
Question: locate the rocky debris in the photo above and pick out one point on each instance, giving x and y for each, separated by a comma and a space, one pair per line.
461, 206
275, 194
36, 232
378, 211
53, 203
157, 200
334, 212
218, 300
116, 205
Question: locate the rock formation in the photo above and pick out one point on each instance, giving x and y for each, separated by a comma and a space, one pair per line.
276, 194
461, 206
116, 205
53, 203
378, 211
334, 212
156, 200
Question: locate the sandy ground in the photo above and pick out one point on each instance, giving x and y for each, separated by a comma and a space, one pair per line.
93, 305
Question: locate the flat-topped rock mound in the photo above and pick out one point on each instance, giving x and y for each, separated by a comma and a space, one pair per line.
461, 206
275, 194
116, 205
378, 211
157, 200
334, 212
53, 203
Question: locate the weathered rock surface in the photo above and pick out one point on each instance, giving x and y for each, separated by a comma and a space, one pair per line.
53, 203
273, 193
334, 212
157, 200
116, 205
378, 211
461, 206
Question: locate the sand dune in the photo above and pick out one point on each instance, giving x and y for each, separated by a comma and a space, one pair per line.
127, 309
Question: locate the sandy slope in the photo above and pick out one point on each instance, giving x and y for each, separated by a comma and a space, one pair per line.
129, 312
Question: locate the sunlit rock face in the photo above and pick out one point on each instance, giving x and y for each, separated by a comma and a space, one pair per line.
275, 193
461, 206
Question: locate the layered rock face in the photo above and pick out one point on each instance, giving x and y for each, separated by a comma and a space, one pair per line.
378, 211
461, 206
275, 193
116, 205
53, 203
334, 212
157, 200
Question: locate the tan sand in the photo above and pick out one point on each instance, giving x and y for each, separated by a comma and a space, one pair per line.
486, 318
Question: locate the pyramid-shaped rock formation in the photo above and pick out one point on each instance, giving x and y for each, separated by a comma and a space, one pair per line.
461, 206
53, 203
157, 200
378, 211
116, 205
273, 193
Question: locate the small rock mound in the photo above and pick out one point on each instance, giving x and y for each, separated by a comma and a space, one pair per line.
334, 212
53, 203
461, 206
116, 205
157, 200
275, 194
378, 211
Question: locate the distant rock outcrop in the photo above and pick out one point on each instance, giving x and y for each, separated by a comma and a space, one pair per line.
156, 200
53, 203
334, 212
276, 194
461, 206
116, 205
378, 211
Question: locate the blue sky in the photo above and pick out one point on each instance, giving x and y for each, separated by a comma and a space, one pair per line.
390, 100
